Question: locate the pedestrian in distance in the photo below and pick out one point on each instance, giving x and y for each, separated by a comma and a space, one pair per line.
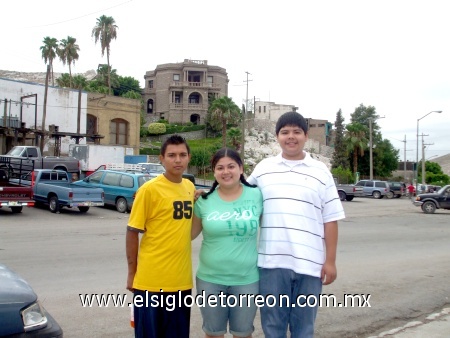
160, 266
228, 215
299, 230
411, 191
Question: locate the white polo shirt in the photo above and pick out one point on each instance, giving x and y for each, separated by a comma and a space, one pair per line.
299, 197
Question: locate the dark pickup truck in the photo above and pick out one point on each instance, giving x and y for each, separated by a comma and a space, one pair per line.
14, 192
432, 201
397, 189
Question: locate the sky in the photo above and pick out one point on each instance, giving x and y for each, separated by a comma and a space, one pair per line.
320, 56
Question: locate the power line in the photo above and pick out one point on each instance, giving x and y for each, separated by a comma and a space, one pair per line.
83, 16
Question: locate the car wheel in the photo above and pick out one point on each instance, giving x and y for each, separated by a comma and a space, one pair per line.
53, 204
349, 198
121, 205
342, 195
16, 210
83, 209
390, 194
376, 194
429, 207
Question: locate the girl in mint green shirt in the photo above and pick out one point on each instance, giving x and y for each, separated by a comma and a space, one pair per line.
228, 217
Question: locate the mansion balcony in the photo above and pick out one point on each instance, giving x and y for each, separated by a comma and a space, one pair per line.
188, 106
197, 85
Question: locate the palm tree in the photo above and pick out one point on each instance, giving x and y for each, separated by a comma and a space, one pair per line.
223, 111
68, 53
235, 136
105, 30
355, 138
64, 81
49, 52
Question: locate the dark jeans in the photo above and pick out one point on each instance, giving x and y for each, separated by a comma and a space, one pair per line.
160, 316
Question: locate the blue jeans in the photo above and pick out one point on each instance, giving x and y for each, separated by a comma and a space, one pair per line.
240, 318
275, 320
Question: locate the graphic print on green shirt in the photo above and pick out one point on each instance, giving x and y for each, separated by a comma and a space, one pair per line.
228, 254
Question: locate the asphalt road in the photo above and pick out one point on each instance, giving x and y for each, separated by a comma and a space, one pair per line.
388, 249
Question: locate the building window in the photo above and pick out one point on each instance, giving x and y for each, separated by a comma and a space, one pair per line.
259, 108
194, 98
91, 127
176, 77
264, 109
210, 79
177, 98
321, 124
118, 132
150, 84
150, 106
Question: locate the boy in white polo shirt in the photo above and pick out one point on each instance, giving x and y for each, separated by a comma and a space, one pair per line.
299, 231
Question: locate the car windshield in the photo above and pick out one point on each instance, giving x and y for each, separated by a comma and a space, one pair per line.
143, 179
441, 191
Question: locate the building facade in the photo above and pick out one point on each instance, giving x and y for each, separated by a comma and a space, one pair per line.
69, 116
318, 130
181, 92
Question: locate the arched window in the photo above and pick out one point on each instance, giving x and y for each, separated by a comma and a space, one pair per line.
91, 126
118, 132
195, 118
149, 106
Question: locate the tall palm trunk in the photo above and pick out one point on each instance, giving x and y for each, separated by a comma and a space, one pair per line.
109, 71
224, 133
355, 160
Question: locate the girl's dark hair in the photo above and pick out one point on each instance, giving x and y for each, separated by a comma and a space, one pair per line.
234, 155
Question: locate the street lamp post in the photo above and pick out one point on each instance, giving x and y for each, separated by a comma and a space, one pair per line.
417, 148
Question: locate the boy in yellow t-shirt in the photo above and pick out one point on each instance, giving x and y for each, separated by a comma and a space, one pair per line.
160, 268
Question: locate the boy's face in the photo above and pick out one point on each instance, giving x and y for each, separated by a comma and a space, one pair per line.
175, 161
292, 140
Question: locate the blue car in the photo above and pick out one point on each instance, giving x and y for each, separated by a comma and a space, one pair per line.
119, 186
21, 315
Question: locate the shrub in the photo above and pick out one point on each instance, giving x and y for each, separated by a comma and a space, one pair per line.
156, 128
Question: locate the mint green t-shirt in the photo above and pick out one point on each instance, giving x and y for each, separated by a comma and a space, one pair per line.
228, 254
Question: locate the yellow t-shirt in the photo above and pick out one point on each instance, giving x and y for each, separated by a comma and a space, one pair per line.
163, 211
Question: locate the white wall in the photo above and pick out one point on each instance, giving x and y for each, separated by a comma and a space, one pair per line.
62, 108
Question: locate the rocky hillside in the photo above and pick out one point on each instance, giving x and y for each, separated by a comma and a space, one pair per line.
37, 77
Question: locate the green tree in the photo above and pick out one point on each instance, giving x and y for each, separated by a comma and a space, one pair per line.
385, 159
340, 155
79, 81
64, 80
49, 51
356, 141
68, 53
235, 137
105, 30
107, 78
223, 111
125, 85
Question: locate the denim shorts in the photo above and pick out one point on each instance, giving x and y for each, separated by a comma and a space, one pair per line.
240, 318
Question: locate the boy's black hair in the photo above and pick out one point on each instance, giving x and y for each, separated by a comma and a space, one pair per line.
234, 155
174, 139
291, 118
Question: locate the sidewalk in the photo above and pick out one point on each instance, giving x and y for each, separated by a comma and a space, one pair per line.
436, 325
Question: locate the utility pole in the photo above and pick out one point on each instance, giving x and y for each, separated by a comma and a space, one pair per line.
404, 159
244, 114
44, 111
423, 159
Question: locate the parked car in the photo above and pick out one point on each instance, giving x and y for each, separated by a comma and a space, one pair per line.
119, 186
154, 169
431, 201
397, 189
347, 192
21, 314
376, 189
53, 187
